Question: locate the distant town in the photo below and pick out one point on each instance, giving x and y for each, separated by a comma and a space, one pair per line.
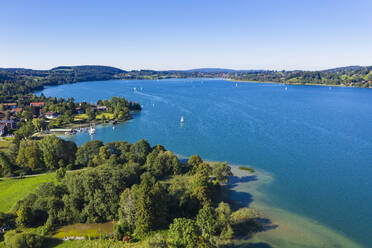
32, 115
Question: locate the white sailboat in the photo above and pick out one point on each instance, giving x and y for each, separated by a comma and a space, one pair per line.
182, 119
91, 130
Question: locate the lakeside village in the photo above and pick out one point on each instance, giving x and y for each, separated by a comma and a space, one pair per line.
37, 116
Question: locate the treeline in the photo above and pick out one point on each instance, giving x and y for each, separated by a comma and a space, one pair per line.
142, 188
347, 76
24, 81
28, 156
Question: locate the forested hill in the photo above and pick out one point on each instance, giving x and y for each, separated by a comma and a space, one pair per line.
356, 76
20, 81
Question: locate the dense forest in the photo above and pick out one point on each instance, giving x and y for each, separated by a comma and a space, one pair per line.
356, 76
15, 81
23, 81
141, 189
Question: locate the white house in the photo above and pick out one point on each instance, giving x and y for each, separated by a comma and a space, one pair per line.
51, 115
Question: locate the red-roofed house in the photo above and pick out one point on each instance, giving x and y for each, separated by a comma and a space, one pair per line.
37, 104
10, 105
16, 110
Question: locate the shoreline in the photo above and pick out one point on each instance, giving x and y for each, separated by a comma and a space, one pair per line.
310, 84
87, 124
293, 230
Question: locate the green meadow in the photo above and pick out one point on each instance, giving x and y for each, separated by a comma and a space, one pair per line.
13, 190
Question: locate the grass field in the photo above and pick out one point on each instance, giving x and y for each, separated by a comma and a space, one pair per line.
85, 230
108, 116
13, 190
4, 145
81, 117
94, 244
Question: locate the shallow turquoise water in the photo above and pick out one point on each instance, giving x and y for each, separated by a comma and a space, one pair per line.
315, 141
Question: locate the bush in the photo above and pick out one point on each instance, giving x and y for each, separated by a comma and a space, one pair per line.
244, 214
251, 170
23, 240
60, 174
157, 241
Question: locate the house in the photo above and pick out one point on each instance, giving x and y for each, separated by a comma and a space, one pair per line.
10, 105
3, 130
16, 110
102, 108
37, 104
9, 124
51, 115
80, 111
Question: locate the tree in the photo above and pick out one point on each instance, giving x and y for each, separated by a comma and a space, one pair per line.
39, 123
26, 130
94, 194
194, 162
143, 208
206, 220
60, 174
87, 151
27, 115
144, 217
201, 184
140, 150
222, 172
184, 233
127, 210
160, 201
22, 240
91, 115
6, 166
54, 150
25, 217
224, 220
162, 163
29, 155
7, 219
102, 156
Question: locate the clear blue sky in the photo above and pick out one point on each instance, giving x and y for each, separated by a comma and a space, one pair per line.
177, 34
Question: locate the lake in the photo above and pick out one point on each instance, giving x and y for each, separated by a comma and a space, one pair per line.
311, 146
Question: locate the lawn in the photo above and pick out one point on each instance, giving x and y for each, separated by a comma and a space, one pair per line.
93, 244
85, 230
80, 117
13, 190
108, 116
4, 145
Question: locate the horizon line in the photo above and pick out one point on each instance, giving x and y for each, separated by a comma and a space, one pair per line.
190, 69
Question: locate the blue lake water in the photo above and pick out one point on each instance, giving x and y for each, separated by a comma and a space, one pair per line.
315, 141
